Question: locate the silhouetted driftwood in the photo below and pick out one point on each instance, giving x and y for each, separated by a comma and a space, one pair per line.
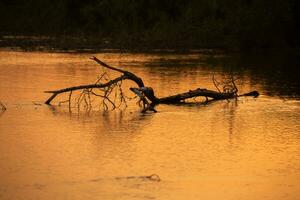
147, 95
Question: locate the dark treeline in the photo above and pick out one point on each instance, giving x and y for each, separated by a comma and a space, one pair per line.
241, 24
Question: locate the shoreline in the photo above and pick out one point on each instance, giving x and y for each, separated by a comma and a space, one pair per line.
91, 45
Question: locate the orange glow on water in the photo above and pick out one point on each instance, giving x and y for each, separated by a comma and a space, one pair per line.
247, 149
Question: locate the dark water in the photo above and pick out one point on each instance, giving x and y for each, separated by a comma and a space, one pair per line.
245, 149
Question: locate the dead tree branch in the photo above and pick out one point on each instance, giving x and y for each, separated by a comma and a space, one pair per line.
196, 93
146, 94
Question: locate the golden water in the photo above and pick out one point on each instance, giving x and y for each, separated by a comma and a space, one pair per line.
245, 149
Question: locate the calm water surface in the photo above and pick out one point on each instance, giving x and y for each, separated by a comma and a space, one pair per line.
245, 149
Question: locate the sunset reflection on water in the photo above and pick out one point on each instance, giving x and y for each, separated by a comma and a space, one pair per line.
245, 149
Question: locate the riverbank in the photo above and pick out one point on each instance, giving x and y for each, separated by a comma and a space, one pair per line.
93, 44
75, 44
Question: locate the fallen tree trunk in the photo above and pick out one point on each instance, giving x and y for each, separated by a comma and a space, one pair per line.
196, 93
147, 93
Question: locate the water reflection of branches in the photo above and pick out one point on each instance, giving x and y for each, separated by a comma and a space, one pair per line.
232, 112
227, 115
121, 120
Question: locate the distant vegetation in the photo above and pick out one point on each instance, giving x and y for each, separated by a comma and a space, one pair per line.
240, 24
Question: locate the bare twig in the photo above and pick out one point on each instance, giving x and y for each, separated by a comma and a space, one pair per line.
234, 85
216, 83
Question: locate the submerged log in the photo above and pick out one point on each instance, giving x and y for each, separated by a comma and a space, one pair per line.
147, 94
196, 93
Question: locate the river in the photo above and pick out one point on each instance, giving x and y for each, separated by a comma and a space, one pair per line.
244, 149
